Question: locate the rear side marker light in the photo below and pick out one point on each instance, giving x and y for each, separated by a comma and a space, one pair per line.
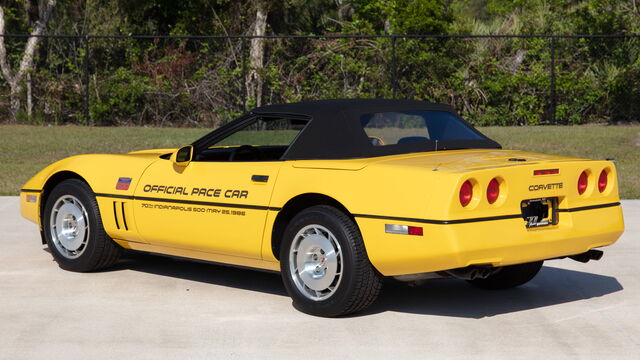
602, 181
466, 193
493, 191
546, 172
403, 229
583, 181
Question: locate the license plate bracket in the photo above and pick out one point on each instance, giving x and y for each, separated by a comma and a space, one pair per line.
540, 212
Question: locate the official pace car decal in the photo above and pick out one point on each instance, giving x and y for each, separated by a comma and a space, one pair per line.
198, 206
552, 186
203, 192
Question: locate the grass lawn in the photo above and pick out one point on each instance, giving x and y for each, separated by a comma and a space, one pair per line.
24, 150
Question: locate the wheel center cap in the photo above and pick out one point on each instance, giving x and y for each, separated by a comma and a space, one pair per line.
70, 226
316, 262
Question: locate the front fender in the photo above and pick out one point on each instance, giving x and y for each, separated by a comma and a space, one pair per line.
100, 171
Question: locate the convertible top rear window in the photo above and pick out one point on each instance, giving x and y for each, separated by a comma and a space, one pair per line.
400, 127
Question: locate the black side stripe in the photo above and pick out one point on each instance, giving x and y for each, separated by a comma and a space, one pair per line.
190, 202
31, 190
472, 220
424, 221
115, 196
124, 217
591, 207
440, 222
115, 215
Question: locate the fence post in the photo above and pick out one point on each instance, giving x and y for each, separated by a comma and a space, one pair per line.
552, 94
87, 117
243, 47
394, 74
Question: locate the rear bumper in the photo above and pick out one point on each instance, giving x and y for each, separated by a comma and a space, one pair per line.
497, 242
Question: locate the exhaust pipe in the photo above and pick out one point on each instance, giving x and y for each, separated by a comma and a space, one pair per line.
586, 256
471, 272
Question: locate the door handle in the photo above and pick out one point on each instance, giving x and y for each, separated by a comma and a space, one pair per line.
260, 178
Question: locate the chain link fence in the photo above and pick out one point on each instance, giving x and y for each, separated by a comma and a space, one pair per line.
203, 80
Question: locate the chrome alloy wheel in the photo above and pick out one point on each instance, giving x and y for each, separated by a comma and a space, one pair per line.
315, 262
69, 225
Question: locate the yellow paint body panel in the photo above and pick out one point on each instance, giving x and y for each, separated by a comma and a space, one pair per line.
419, 189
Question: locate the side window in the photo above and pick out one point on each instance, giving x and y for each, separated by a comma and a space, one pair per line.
390, 128
264, 139
265, 132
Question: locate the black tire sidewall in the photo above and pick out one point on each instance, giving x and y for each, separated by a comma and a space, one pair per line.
335, 304
84, 194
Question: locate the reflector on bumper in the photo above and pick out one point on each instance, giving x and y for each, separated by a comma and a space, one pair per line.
403, 229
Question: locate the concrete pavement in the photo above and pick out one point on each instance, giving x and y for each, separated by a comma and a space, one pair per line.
151, 307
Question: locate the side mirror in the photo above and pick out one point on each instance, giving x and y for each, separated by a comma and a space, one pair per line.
182, 157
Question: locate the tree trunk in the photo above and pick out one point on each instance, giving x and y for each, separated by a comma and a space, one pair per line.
15, 80
15, 89
254, 80
29, 98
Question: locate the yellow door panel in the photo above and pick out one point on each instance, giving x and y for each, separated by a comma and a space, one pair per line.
216, 207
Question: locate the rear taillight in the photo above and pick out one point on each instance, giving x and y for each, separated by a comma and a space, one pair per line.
466, 193
583, 181
493, 191
602, 180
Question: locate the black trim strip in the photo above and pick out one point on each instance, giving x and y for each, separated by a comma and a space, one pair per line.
590, 207
424, 221
190, 202
440, 222
115, 215
472, 220
30, 190
128, 197
124, 217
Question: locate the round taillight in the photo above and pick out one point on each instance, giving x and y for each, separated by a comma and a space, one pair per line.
466, 193
582, 182
602, 180
493, 191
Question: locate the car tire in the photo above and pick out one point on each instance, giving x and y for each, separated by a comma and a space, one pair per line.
339, 279
509, 276
73, 229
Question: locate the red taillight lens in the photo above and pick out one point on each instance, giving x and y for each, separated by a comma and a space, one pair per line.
602, 180
415, 230
466, 193
493, 191
582, 182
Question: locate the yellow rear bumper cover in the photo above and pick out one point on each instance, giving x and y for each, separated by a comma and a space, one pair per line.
495, 242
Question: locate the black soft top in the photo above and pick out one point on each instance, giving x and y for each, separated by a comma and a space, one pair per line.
335, 132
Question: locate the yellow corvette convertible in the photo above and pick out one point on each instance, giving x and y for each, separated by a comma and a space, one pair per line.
335, 195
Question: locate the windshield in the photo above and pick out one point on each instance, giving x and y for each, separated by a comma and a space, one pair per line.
400, 127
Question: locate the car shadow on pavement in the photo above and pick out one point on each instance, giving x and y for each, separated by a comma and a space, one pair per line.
440, 297
204, 272
456, 298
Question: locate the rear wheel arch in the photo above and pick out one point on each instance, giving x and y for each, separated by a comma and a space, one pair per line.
293, 207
